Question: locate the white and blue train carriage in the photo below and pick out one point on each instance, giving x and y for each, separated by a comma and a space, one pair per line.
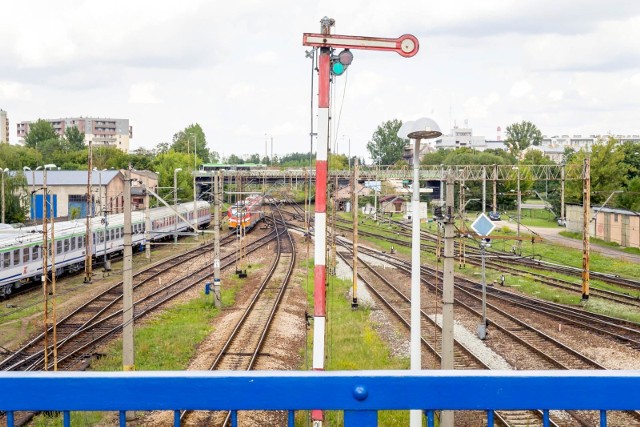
21, 257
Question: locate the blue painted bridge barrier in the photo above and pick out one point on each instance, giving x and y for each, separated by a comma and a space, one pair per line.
360, 394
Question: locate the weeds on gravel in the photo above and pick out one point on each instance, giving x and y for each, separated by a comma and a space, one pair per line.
352, 343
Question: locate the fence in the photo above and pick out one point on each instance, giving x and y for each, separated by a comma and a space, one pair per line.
360, 394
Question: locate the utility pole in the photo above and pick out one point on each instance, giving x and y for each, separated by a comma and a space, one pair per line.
195, 197
326, 42
53, 295
45, 268
562, 171
495, 188
147, 225
88, 268
484, 189
3, 171
354, 210
447, 418
216, 236
519, 213
586, 208
128, 363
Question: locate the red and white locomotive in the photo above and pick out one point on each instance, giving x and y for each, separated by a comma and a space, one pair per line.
246, 213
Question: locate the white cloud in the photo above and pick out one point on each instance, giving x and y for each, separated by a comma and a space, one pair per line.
143, 93
520, 89
13, 91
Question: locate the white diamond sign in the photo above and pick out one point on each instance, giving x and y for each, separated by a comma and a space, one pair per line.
483, 225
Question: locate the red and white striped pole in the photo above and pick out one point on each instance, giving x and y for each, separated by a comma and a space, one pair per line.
320, 248
406, 45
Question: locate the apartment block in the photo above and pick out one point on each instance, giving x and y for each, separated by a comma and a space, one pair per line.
100, 131
4, 127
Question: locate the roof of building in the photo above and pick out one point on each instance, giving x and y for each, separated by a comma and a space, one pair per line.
70, 177
616, 211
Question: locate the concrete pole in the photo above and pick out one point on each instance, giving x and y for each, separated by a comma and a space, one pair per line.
53, 296
175, 205
484, 189
354, 210
128, 363
562, 171
88, 268
415, 415
195, 196
441, 185
3, 171
217, 284
495, 188
586, 208
519, 215
147, 226
446, 418
45, 268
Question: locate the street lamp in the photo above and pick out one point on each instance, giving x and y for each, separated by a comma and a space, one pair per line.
418, 130
175, 204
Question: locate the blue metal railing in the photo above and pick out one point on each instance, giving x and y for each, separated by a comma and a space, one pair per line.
360, 394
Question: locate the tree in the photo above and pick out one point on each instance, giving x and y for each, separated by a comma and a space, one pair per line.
185, 140
166, 164
234, 160
521, 135
39, 132
74, 138
254, 158
608, 172
386, 147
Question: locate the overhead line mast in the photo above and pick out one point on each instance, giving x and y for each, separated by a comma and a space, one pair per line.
407, 46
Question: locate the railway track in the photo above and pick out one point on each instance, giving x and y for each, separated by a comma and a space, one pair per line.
396, 298
100, 319
549, 353
507, 263
243, 346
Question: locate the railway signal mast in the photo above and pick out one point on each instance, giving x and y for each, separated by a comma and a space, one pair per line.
407, 46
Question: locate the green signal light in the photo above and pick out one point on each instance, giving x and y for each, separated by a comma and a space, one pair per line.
337, 68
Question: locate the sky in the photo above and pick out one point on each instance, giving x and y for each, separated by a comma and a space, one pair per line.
239, 68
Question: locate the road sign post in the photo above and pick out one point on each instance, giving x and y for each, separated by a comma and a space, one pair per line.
483, 226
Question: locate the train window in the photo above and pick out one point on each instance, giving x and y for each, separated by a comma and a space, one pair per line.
25, 255
7, 259
34, 253
113, 234
80, 242
117, 233
101, 237
16, 257
122, 231
59, 247
73, 243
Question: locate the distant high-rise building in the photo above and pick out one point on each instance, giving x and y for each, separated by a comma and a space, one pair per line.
100, 131
4, 127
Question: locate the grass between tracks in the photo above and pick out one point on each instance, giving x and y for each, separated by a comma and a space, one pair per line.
352, 343
167, 342
547, 252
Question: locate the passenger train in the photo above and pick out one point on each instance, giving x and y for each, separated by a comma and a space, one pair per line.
246, 213
21, 258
